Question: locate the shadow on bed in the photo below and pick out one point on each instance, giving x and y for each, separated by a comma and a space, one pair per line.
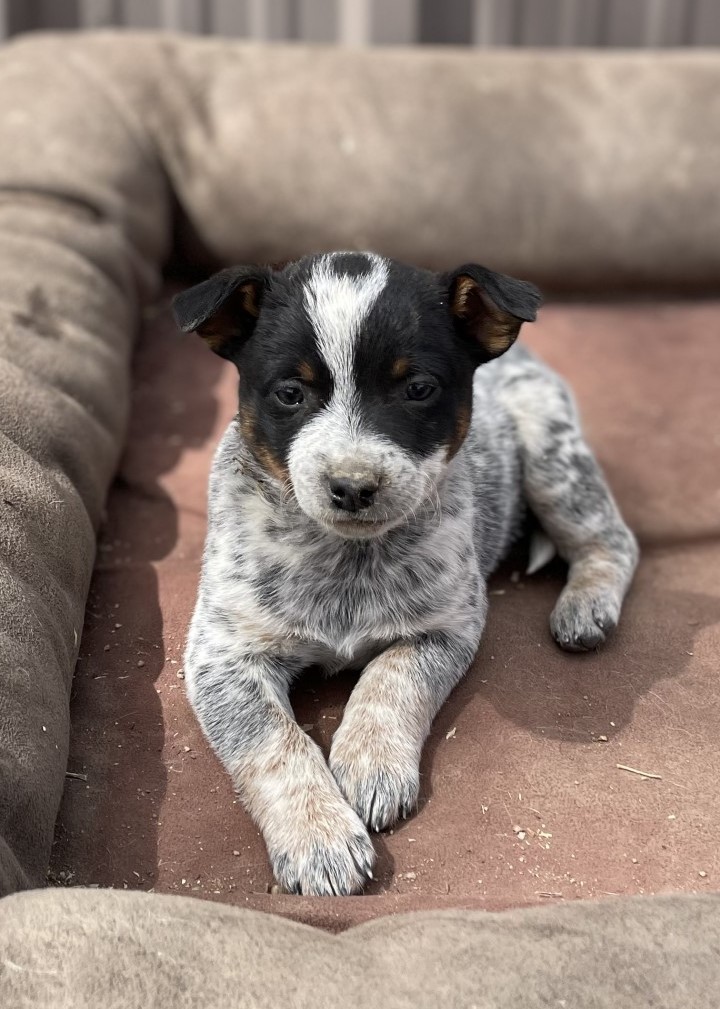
108, 834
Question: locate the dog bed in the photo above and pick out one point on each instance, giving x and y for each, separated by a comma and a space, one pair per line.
84, 948
547, 776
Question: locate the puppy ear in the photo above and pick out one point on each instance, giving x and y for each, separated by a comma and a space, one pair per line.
223, 309
489, 308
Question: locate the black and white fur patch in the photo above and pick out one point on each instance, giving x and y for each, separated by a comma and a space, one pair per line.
389, 440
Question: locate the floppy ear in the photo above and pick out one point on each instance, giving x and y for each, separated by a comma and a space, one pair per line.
224, 309
489, 308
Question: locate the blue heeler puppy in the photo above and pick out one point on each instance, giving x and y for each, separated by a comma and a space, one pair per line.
390, 439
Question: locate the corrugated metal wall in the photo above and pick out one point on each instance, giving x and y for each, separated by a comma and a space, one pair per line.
361, 22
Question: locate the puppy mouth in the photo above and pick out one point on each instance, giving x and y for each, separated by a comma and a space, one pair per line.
358, 526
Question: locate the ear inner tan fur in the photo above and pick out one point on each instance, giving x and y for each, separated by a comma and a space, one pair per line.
224, 325
224, 308
249, 299
494, 330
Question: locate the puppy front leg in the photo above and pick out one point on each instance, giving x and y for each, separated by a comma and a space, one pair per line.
375, 754
317, 844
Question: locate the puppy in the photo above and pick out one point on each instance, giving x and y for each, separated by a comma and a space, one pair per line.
389, 441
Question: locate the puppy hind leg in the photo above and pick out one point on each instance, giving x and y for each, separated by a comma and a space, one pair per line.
568, 493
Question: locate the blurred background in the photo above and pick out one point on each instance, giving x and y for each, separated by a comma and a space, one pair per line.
643, 23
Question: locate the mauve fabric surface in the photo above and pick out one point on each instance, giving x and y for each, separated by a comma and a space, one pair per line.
527, 750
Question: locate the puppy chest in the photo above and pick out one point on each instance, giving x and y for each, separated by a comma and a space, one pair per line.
353, 599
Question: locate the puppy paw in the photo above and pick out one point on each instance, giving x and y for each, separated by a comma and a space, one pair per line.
323, 853
581, 620
381, 781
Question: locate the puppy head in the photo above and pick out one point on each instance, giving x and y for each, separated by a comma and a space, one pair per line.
356, 373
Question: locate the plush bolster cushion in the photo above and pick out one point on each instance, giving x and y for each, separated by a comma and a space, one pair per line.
582, 171
587, 171
84, 949
83, 225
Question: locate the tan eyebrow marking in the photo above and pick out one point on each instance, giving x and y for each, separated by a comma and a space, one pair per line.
401, 367
306, 372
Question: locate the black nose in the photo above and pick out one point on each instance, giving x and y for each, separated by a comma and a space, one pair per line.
352, 495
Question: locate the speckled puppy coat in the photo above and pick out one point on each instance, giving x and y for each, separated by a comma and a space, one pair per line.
378, 469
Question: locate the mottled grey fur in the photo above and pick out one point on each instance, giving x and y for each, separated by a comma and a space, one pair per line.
279, 592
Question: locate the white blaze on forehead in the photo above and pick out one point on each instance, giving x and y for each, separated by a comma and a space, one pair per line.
337, 305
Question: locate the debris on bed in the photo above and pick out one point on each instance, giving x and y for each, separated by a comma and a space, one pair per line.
643, 774
62, 878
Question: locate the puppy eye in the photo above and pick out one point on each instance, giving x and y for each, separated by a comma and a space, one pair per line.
290, 394
417, 391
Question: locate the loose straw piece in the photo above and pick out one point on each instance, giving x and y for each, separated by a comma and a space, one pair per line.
634, 770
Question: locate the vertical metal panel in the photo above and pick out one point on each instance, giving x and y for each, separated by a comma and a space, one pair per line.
184, 15
654, 19
141, 13
675, 24
494, 22
395, 22
58, 13
583, 22
269, 19
317, 20
672, 20
98, 13
20, 17
24, 15
354, 22
624, 23
567, 22
705, 23
450, 22
539, 22
228, 19
649, 23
